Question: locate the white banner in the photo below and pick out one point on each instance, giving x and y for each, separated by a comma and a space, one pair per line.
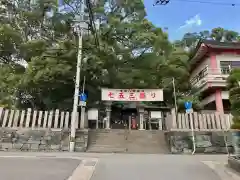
132, 94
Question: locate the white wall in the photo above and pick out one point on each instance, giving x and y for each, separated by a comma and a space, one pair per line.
225, 94
200, 66
227, 57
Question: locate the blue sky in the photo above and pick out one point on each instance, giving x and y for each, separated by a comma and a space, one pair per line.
181, 17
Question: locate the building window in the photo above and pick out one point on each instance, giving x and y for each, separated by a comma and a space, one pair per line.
225, 67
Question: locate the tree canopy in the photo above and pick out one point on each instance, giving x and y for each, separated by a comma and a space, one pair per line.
130, 53
190, 40
233, 83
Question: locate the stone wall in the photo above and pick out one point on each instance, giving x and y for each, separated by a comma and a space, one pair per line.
27, 139
206, 142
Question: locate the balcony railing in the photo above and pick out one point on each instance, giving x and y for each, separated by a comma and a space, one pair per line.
208, 74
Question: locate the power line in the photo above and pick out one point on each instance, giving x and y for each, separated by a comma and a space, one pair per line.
165, 2
210, 2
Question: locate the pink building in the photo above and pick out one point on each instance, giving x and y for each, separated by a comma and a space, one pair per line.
210, 66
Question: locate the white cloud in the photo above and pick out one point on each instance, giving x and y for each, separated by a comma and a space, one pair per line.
193, 21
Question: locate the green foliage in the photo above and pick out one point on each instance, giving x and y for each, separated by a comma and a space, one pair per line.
133, 53
234, 96
219, 34
236, 123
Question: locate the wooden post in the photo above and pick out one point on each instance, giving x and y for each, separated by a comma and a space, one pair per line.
56, 118
16, 118
10, 122
34, 120
45, 119
50, 117
174, 119
5, 118
204, 120
62, 120
195, 115
66, 120
22, 118
29, 111
40, 119
1, 113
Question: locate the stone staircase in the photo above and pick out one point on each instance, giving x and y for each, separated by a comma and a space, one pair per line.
150, 142
107, 141
125, 141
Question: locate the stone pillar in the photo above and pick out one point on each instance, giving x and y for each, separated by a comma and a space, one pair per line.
141, 118
108, 112
83, 115
160, 122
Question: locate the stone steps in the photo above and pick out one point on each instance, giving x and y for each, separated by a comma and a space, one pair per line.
147, 142
112, 141
106, 149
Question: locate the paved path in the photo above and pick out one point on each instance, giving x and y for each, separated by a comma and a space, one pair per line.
164, 167
36, 168
81, 166
47, 166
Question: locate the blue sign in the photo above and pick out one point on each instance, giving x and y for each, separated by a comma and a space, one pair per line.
83, 97
188, 105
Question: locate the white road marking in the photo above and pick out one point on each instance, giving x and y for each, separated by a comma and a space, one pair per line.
83, 172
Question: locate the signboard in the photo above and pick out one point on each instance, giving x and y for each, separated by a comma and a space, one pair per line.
188, 107
83, 97
132, 94
156, 114
93, 114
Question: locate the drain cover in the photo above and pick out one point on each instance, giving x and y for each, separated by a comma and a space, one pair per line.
90, 163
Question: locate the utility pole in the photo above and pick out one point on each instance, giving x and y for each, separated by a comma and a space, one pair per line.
83, 106
77, 81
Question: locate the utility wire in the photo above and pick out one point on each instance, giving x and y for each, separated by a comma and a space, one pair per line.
211, 2
165, 2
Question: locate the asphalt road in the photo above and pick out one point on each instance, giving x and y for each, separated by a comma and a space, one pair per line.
60, 166
36, 168
164, 167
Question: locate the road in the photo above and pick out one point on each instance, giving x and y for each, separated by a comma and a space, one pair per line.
36, 168
81, 166
164, 167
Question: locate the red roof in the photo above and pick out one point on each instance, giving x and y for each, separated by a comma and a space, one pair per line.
204, 47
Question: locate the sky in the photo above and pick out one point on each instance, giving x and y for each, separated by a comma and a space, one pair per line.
182, 16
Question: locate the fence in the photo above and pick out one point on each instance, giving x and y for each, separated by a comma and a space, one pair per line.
201, 122
36, 119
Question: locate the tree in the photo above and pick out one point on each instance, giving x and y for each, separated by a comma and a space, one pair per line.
130, 53
234, 96
190, 40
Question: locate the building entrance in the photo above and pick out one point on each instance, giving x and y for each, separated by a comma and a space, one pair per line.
128, 117
121, 117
